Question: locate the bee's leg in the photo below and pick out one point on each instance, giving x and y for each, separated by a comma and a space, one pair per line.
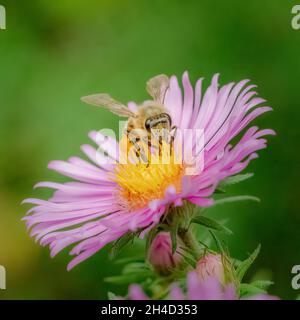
146, 141
145, 148
133, 140
152, 143
167, 138
173, 135
144, 157
140, 153
160, 141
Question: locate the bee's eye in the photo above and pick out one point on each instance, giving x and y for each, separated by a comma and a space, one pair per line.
168, 117
148, 124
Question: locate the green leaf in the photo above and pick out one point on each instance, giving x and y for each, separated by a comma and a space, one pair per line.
211, 224
120, 244
249, 290
235, 179
219, 190
245, 265
255, 287
129, 278
174, 231
236, 199
129, 260
188, 260
111, 296
206, 246
218, 242
135, 267
186, 250
262, 284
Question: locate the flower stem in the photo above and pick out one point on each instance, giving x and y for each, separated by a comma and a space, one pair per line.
190, 242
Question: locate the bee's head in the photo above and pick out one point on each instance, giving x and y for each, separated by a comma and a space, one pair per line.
159, 121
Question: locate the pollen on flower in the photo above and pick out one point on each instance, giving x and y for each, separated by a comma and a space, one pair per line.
140, 183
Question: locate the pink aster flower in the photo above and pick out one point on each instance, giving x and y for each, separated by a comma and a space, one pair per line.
106, 201
198, 289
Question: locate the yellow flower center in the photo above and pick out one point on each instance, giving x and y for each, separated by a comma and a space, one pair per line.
142, 182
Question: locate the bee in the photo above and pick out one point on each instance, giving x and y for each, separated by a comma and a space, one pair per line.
151, 116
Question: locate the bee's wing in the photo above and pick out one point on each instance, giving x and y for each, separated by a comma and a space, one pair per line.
157, 87
106, 101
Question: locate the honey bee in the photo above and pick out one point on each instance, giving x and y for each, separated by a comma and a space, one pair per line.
151, 116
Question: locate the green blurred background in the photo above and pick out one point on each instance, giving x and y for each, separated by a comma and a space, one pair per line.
54, 52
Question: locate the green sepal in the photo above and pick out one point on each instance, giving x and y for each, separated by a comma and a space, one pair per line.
262, 284
246, 264
119, 244
189, 260
247, 289
219, 190
173, 233
210, 223
235, 179
135, 267
129, 260
111, 296
218, 242
132, 273
236, 199
128, 278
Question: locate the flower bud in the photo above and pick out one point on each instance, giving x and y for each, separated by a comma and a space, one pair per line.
160, 253
211, 265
